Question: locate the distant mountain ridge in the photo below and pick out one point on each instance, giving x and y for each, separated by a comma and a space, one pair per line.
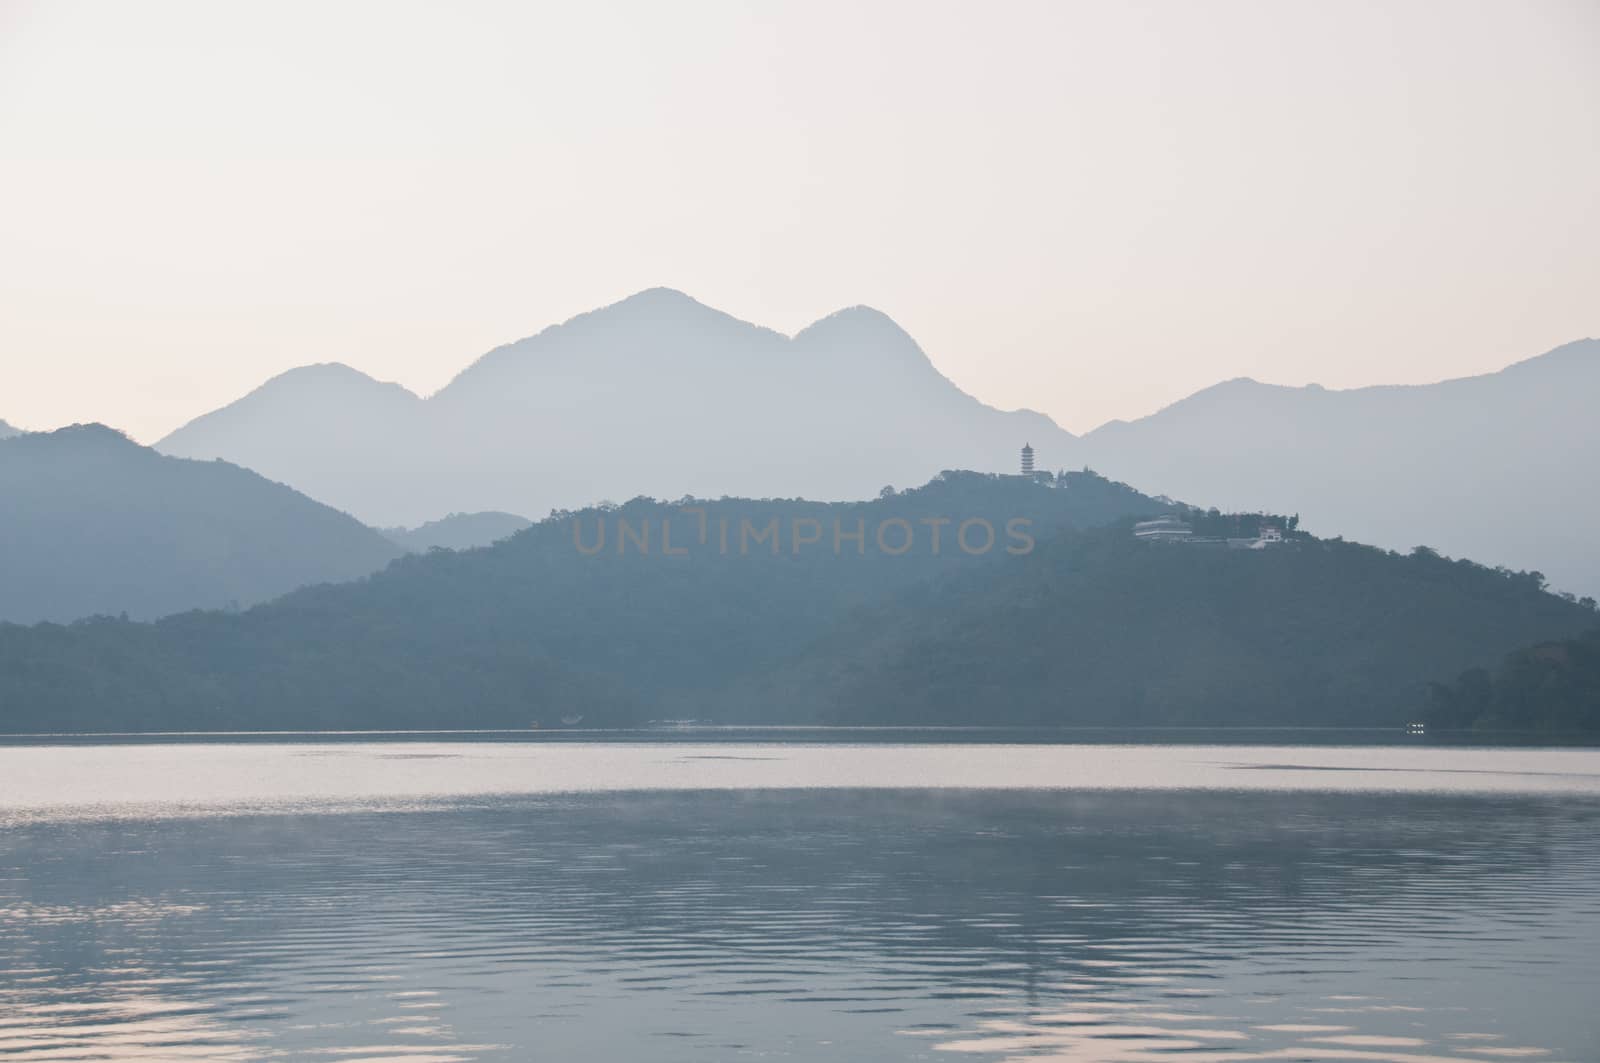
1487, 467
657, 394
458, 531
92, 523
6, 431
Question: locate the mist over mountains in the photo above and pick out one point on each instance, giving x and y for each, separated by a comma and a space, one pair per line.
92, 523
661, 396
656, 395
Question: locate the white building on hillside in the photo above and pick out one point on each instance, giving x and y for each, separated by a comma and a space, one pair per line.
1162, 529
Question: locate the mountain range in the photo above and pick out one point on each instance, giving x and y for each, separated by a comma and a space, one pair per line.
1488, 467
660, 395
6, 431
656, 395
92, 523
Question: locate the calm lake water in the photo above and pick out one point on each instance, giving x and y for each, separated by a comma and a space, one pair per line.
455, 901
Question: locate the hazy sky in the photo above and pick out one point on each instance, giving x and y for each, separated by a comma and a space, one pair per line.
1087, 209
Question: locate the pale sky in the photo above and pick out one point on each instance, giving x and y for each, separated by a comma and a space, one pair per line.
1087, 209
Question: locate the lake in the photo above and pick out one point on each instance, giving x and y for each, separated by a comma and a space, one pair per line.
434, 900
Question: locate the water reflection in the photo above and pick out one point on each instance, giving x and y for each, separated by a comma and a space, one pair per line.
837, 924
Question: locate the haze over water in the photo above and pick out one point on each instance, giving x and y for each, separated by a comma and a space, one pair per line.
613, 901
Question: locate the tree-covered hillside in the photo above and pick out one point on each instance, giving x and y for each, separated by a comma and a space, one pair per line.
1097, 628
1037, 606
535, 628
91, 522
1551, 687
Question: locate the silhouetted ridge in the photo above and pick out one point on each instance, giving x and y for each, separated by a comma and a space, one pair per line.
332, 375
92, 437
1578, 353
859, 320
1476, 466
625, 335
657, 394
93, 523
458, 531
869, 339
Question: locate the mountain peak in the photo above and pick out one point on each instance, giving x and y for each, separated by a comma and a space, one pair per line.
654, 305
94, 434
654, 308
1235, 388
654, 394
92, 442
324, 386
6, 431
858, 330
659, 295
859, 318
656, 319
323, 375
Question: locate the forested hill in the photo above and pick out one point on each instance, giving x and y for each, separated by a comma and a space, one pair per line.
1038, 606
1551, 687
91, 522
1097, 628
534, 628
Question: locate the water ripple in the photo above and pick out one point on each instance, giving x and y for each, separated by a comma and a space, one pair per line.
885, 925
